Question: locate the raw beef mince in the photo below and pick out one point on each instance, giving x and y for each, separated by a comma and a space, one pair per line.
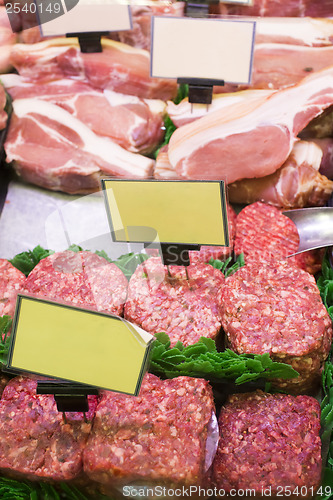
277, 309
35, 439
156, 438
11, 282
162, 299
211, 252
264, 234
83, 279
269, 441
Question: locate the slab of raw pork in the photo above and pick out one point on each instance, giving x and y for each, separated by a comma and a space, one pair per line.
55, 150
249, 139
133, 123
296, 184
118, 67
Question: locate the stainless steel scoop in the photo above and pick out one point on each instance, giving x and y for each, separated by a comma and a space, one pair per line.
314, 226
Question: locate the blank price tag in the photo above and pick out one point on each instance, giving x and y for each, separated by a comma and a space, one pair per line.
58, 17
238, 2
180, 212
202, 48
88, 347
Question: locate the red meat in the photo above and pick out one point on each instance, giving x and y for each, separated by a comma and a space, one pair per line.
158, 437
83, 279
184, 307
264, 234
277, 308
35, 439
269, 441
11, 282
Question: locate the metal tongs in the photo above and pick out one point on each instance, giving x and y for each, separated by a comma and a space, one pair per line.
314, 226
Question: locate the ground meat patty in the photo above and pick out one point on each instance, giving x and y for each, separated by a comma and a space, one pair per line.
277, 309
268, 440
35, 439
83, 279
208, 252
264, 234
158, 437
11, 282
183, 306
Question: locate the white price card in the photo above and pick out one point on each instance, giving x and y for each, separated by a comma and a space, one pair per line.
217, 49
59, 17
238, 2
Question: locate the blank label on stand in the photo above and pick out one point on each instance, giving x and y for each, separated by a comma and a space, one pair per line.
83, 16
202, 48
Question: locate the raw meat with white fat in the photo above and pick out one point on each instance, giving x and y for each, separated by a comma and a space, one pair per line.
157, 438
55, 150
133, 123
177, 300
269, 442
280, 8
276, 308
11, 282
118, 67
36, 441
263, 131
83, 279
264, 235
297, 184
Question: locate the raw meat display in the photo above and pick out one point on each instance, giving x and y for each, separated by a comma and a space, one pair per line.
55, 150
157, 438
133, 123
140, 35
35, 440
176, 300
254, 427
297, 183
277, 65
296, 31
277, 308
11, 282
280, 8
84, 279
118, 67
264, 234
208, 252
264, 130
7, 39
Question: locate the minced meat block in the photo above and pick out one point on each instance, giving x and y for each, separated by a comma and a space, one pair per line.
11, 282
83, 279
35, 439
156, 438
214, 252
269, 441
277, 309
165, 299
264, 234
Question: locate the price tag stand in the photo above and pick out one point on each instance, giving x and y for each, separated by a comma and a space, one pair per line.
200, 89
89, 42
68, 396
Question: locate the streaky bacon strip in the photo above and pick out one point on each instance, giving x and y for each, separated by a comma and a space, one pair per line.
55, 150
250, 139
118, 67
133, 123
